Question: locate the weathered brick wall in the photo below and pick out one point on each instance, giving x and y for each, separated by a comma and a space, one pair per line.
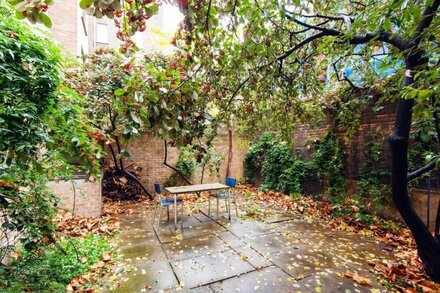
64, 16
147, 155
85, 197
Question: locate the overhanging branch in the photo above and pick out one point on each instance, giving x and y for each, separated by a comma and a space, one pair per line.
419, 172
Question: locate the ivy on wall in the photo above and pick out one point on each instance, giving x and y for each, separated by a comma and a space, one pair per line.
374, 173
329, 161
271, 161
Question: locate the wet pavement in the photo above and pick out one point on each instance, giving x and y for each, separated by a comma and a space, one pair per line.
285, 253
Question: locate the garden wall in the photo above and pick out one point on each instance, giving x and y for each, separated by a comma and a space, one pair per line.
79, 195
147, 156
382, 120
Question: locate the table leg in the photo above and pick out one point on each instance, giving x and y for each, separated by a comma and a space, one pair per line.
175, 210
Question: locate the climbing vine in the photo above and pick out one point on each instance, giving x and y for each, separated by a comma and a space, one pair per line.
329, 161
374, 174
271, 160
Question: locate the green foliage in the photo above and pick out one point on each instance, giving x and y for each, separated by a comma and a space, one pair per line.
185, 164
253, 160
329, 161
49, 270
130, 16
353, 207
277, 160
273, 161
39, 124
292, 179
373, 175
424, 142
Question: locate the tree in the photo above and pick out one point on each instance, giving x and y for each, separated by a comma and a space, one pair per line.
102, 79
276, 56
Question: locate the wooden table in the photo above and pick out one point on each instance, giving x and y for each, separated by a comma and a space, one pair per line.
192, 189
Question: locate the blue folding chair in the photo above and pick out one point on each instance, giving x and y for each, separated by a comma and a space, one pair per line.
227, 196
164, 202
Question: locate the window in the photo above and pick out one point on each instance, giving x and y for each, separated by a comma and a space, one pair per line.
102, 33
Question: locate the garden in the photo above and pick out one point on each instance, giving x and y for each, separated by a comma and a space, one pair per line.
322, 118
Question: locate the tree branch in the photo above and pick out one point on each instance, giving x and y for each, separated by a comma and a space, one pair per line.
165, 159
301, 44
426, 20
184, 81
419, 172
238, 89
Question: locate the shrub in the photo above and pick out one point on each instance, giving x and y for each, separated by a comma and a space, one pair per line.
49, 270
253, 160
276, 161
272, 160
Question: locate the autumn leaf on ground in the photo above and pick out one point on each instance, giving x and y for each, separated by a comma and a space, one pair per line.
106, 256
358, 279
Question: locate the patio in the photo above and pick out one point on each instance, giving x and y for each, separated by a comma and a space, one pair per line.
284, 253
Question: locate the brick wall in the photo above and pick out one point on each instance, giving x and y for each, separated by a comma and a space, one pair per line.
64, 16
147, 155
88, 200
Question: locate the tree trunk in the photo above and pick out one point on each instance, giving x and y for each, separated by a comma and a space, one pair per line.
165, 162
427, 246
121, 167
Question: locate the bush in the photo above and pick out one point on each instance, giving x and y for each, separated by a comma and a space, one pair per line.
49, 270
272, 160
253, 160
292, 179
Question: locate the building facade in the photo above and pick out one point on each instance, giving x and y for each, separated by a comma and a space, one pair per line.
81, 34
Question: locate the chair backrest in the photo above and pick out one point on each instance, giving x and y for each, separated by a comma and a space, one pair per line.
157, 188
231, 182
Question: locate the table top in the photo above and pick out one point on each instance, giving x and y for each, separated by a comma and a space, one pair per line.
196, 188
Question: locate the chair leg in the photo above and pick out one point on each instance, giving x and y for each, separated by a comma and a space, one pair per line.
154, 216
160, 216
218, 203
168, 213
209, 205
235, 204
229, 209
181, 216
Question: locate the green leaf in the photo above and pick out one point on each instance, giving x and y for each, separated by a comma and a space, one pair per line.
85, 3
119, 92
45, 19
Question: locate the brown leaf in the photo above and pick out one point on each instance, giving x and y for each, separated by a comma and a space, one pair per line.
84, 259
348, 274
106, 256
361, 280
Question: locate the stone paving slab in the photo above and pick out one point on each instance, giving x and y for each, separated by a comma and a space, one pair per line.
247, 228
201, 229
206, 269
146, 266
252, 256
270, 280
268, 243
192, 247
230, 239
